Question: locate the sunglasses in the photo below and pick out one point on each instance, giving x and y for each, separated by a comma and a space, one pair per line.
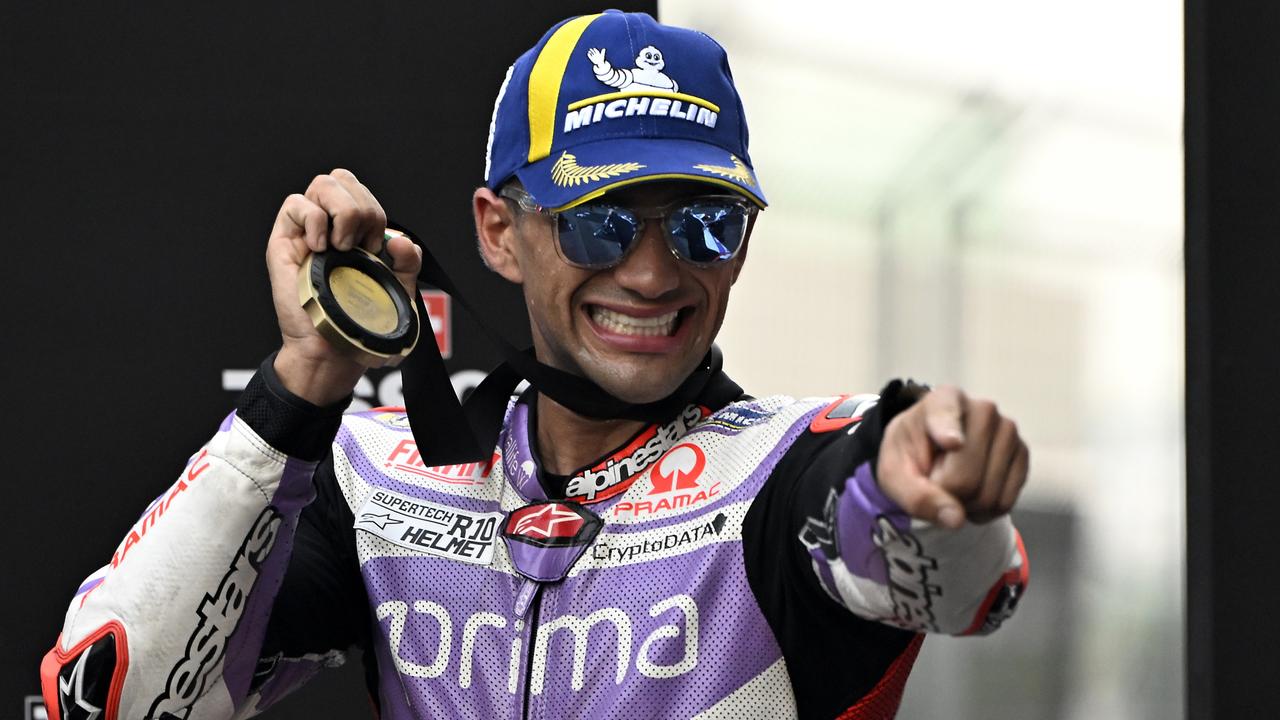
705, 231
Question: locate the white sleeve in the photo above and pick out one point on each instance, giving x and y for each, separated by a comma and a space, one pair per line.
173, 625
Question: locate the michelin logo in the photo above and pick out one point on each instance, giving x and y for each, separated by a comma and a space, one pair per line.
633, 85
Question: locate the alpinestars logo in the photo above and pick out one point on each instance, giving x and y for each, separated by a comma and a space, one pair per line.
910, 575
220, 614
614, 474
552, 524
641, 90
548, 522
83, 687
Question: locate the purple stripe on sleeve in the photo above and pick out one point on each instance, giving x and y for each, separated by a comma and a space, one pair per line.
293, 493
89, 586
860, 505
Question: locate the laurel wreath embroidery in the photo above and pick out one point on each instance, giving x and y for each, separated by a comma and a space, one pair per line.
738, 172
568, 173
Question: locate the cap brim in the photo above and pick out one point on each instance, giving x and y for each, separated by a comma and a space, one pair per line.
574, 176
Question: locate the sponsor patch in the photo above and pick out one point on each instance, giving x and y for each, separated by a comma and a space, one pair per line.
545, 539
404, 457
642, 90
617, 551
552, 524
676, 481
735, 418
423, 526
159, 506
679, 469
614, 474
392, 417
911, 573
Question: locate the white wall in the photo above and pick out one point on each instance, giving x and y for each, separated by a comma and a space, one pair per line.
989, 193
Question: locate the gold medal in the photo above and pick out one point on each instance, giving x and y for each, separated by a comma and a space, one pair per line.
356, 302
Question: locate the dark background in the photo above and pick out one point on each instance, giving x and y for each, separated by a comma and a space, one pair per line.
146, 148
1233, 357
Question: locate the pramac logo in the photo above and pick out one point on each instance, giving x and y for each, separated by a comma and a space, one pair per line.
677, 484
679, 469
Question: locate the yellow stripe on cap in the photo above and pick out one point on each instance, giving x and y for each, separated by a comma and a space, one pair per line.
544, 84
597, 192
692, 100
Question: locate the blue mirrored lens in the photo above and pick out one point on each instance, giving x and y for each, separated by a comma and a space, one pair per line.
596, 235
708, 232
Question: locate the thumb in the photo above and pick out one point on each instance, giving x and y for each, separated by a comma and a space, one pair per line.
407, 257
903, 482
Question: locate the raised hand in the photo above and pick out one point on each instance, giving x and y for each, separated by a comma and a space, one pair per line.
951, 458
336, 211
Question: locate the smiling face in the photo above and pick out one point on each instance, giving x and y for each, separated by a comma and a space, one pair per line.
637, 329
650, 57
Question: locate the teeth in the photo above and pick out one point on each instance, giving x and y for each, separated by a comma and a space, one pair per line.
628, 325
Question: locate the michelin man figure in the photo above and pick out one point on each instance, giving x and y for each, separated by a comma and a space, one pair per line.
647, 72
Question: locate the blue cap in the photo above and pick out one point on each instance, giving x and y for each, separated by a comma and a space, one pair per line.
608, 100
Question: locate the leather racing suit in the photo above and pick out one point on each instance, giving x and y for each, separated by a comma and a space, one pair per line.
736, 561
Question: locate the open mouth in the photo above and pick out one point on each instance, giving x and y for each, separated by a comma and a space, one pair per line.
618, 323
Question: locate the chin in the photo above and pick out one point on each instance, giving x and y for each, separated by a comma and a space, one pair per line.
640, 395
643, 384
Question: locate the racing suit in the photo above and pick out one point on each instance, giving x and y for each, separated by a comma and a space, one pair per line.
736, 561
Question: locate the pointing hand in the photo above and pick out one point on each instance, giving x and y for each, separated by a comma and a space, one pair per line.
950, 457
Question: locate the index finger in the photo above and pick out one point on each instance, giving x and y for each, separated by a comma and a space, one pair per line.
944, 410
300, 217
372, 219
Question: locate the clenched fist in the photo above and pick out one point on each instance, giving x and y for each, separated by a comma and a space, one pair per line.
336, 211
951, 457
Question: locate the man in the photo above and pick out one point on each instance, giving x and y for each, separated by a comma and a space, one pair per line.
725, 557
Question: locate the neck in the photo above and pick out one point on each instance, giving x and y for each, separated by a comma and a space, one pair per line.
568, 441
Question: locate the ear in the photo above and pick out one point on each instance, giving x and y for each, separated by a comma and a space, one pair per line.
741, 258
496, 234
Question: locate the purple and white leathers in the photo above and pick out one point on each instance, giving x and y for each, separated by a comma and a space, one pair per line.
741, 557
672, 609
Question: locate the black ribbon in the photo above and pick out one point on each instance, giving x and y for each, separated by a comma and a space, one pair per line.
448, 432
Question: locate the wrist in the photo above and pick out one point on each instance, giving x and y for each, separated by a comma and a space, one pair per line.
320, 381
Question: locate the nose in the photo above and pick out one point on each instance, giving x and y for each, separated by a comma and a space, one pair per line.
650, 270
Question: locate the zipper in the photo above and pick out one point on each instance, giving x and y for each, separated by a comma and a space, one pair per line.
533, 641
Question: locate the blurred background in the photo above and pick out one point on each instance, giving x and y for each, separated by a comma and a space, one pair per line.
989, 194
